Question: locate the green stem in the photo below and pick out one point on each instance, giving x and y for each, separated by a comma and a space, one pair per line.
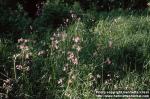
15, 68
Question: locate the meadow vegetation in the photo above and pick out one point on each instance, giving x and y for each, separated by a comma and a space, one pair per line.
67, 52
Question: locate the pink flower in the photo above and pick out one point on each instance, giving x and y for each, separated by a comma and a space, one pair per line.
24, 47
76, 39
26, 40
108, 61
78, 48
70, 55
75, 61
21, 47
72, 58
20, 40
19, 67
7, 81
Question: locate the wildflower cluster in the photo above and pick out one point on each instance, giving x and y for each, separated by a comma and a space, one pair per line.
73, 15
76, 45
72, 58
24, 47
23, 58
7, 86
56, 38
71, 55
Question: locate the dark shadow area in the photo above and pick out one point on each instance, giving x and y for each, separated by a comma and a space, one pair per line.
14, 22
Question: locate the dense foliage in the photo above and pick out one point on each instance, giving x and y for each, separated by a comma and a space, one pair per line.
69, 48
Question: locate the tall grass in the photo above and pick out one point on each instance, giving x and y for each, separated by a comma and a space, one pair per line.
106, 51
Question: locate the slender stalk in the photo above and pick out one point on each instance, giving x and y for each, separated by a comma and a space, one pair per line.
102, 74
15, 68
